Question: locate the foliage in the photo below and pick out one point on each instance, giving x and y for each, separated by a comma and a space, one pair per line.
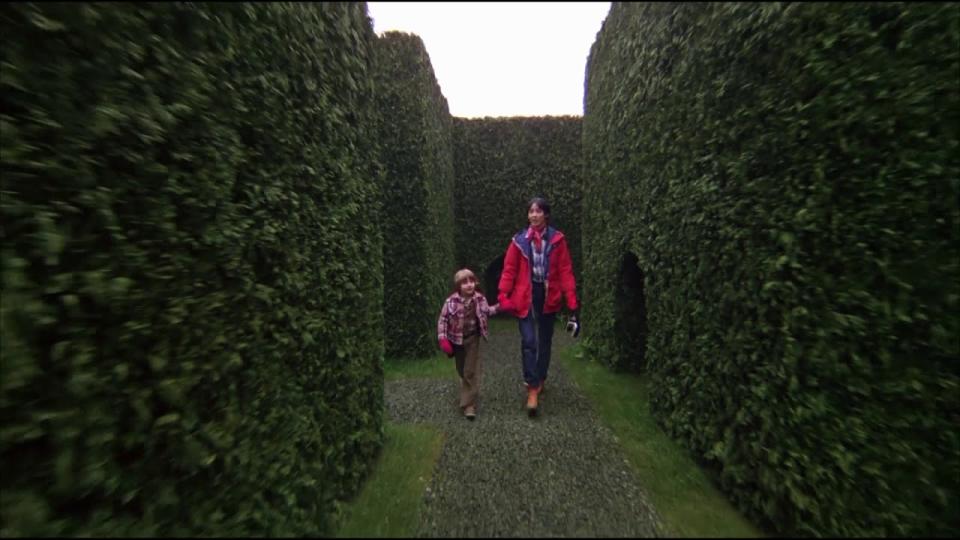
500, 164
191, 272
417, 194
787, 177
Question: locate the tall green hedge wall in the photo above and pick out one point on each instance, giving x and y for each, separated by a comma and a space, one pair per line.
788, 178
500, 164
185, 349
417, 192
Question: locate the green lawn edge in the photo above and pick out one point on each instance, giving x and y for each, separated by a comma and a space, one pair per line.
681, 491
389, 503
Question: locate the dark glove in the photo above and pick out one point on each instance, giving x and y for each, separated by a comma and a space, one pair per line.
446, 346
573, 325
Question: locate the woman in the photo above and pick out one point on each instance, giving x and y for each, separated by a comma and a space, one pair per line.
537, 274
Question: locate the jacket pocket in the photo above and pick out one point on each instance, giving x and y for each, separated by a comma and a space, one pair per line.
554, 295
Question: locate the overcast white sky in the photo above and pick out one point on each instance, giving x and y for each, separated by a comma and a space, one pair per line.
502, 58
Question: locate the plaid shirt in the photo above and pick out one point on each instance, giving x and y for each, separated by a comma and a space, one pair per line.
539, 262
452, 314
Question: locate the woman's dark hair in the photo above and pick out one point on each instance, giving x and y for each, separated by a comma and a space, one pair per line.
542, 203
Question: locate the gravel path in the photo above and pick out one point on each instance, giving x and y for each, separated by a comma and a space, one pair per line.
505, 474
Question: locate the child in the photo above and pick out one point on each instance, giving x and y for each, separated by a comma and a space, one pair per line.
463, 319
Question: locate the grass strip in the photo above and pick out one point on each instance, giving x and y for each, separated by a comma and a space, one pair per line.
433, 367
687, 501
388, 505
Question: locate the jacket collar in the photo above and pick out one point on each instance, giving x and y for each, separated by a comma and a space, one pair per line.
531, 231
551, 234
464, 298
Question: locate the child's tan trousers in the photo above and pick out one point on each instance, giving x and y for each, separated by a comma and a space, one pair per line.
470, 369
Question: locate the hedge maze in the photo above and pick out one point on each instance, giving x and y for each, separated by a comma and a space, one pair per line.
219, 220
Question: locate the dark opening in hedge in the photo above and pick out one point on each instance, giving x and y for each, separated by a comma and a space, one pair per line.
490, 279
630, 322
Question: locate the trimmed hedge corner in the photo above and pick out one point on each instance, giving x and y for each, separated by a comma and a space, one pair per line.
417, 194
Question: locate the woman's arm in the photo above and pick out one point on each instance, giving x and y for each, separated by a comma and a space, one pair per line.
509, 273
568, 284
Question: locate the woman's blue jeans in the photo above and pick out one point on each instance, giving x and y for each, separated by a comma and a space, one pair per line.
536, 337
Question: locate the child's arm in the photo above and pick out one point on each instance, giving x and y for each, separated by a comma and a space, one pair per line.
486, 308
442, 340
442, 321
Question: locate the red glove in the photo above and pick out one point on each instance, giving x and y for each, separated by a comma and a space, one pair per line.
446, 346
505, 306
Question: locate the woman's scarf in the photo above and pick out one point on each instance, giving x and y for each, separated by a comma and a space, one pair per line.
536, 235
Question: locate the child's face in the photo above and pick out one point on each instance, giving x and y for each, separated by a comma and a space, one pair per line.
467, 286
535, 215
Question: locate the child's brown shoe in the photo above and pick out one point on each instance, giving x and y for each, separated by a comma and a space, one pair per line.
470, 412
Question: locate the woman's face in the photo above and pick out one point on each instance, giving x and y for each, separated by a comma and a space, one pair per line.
535, 215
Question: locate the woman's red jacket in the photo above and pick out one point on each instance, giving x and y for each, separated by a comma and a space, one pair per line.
516, 287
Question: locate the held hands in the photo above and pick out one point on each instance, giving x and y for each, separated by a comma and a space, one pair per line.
447, 347
573, 324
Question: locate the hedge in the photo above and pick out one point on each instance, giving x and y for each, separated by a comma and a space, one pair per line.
417, 194
500, 164
191, 270
784, 177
